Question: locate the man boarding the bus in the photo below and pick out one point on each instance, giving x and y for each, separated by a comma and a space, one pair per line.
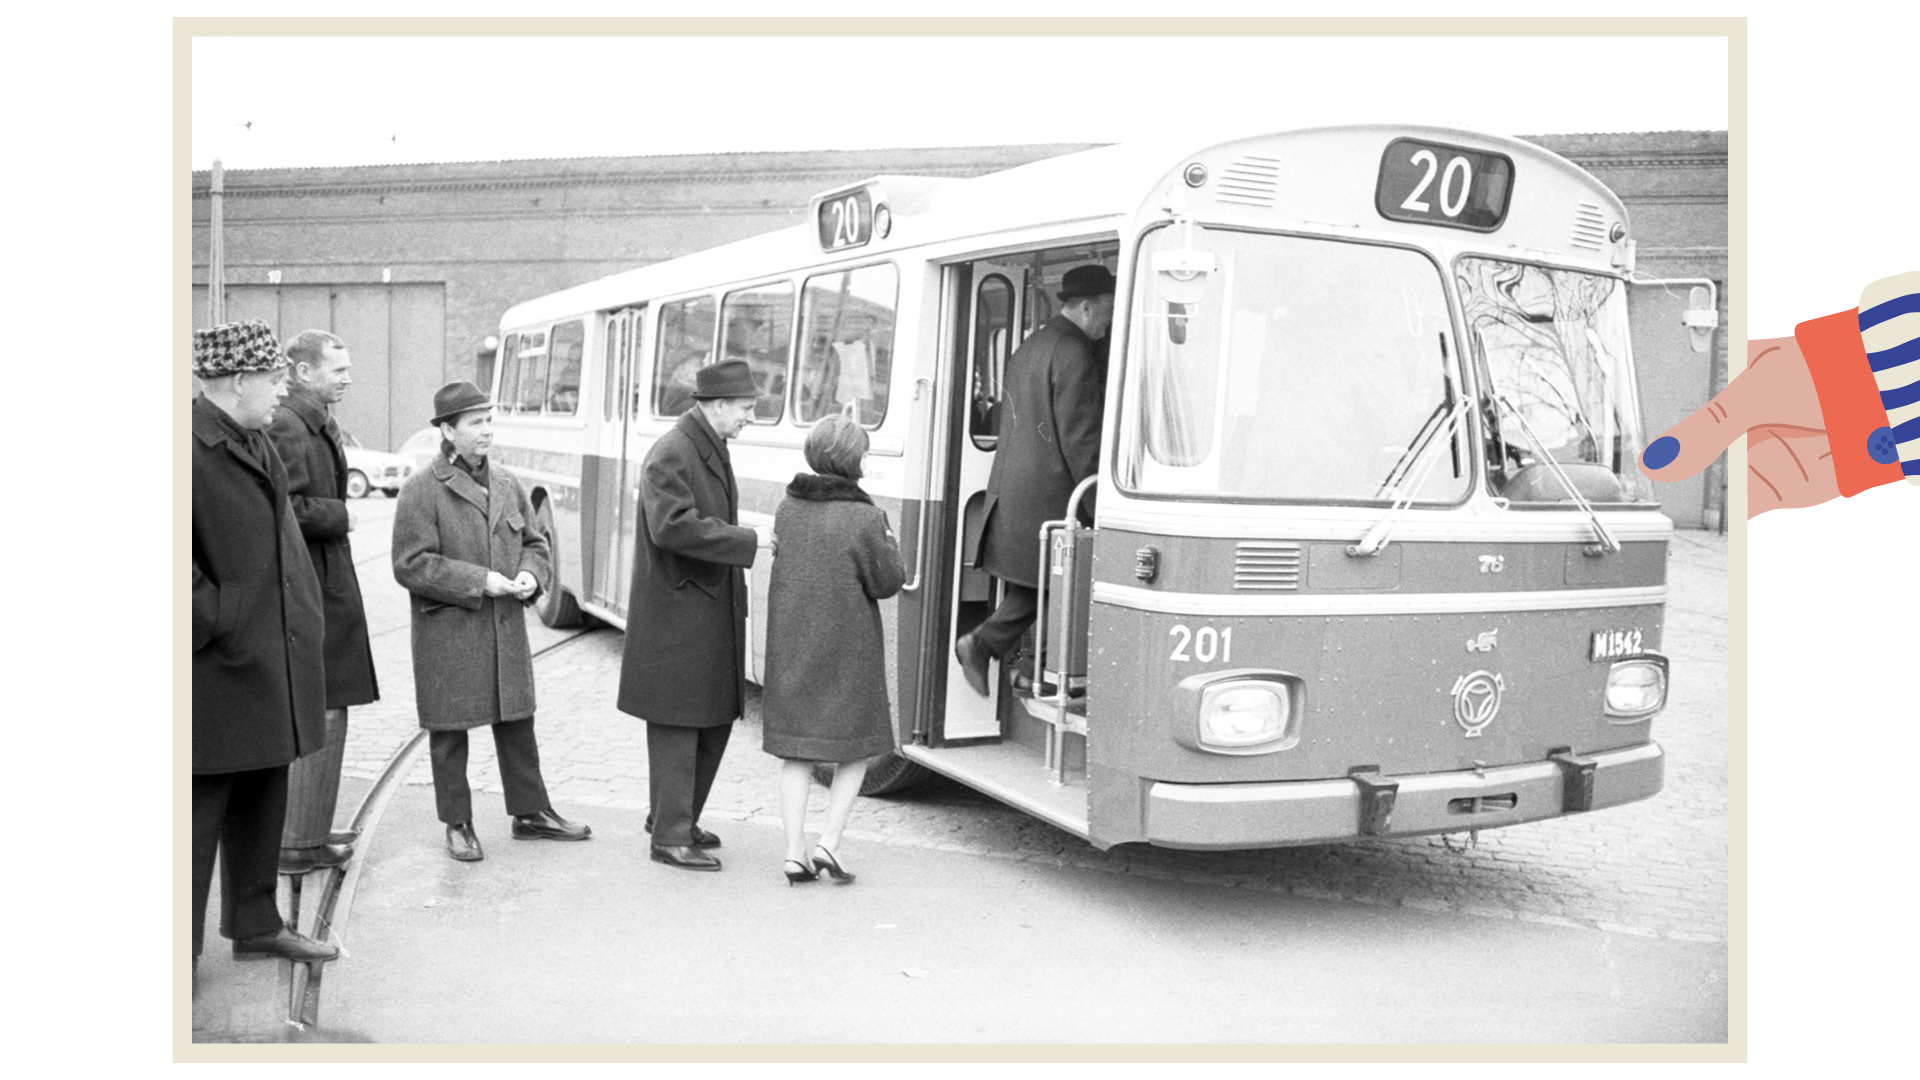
463, 525
1049, 442
259, 688
683, 670
307, 438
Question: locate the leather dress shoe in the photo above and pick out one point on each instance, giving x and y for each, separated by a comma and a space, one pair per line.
301, 860
973, 662
283, 944
683, 856
547, 825
462, 844
343, 836
701, 837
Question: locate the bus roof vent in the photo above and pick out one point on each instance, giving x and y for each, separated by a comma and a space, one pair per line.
1266, 565
1589, 227
1251, 180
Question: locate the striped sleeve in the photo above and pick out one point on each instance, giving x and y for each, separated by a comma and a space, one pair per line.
1890, 333
1866, 370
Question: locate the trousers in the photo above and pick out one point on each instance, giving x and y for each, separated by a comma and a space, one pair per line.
239, 815
1002, 630
519, 758
681, 765
313, 786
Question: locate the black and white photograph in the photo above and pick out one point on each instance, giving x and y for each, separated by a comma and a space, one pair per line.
737, 537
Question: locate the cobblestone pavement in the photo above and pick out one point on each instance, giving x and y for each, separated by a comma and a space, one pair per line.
1657, 868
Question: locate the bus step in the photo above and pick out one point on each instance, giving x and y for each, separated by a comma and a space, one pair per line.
1576, 776
1376, 799
1041, 709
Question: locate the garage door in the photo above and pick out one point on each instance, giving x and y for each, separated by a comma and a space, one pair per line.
396, 333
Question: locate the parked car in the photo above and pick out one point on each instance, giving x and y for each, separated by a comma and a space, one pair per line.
371, 469
421, 447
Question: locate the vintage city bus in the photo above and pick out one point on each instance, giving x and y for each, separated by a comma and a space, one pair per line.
1370, 555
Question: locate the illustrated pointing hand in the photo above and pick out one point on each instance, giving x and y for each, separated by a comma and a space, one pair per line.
1830, 411
1773, 403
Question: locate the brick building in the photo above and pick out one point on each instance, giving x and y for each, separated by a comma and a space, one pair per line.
414, 264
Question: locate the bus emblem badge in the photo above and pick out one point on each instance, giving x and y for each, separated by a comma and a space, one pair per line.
1476, 699
1484, 643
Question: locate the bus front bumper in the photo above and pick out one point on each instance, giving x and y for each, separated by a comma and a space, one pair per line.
1221, 816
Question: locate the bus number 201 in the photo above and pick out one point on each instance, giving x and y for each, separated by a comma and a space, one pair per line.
1205, 644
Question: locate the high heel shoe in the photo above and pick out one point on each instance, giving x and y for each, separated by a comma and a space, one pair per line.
796, 876
824, 862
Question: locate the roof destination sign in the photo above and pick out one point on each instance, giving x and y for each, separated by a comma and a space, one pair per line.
1432, 183
852, 217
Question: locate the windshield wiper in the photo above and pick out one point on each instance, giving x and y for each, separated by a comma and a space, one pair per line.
1415, 462
1553, 466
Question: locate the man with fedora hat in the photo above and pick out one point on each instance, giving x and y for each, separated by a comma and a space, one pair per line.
259, 684
683, 670
1052, 406
465, 547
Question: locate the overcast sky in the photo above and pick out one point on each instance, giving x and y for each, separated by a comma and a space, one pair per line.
387, 100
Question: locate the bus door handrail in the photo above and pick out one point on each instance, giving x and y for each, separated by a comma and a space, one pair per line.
922, 388
1062, 690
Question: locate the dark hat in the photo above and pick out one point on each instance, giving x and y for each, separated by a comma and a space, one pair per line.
1081, 281
726, 379
235, 347
455, 398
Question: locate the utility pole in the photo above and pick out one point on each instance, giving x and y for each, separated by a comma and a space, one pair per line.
216, 253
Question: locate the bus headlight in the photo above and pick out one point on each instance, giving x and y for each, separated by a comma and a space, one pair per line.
1636, 688
1247, 716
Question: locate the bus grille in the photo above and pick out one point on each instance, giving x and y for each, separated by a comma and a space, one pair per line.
1589, 227
1266, 565
1252, 180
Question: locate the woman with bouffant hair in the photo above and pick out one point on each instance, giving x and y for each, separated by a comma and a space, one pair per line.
825, 696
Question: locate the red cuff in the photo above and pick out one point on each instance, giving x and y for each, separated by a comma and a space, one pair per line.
1849, 398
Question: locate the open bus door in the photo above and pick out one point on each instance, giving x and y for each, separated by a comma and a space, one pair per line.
994, 315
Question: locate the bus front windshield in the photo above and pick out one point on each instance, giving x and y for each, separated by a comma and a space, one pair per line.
1556, 390
1293, 369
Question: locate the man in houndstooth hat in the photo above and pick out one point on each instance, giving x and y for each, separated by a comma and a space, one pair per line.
259, 691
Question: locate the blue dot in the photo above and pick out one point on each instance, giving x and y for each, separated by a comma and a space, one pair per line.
1661, 453
1881, 447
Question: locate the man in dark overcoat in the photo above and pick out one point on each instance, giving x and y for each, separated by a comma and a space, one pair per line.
684, 668
463, 525
1051, 411
307, 438
259, 688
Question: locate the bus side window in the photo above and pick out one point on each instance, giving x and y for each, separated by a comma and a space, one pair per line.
759, 330
527, 394
568, 347
685, 346
507, 373
847, 322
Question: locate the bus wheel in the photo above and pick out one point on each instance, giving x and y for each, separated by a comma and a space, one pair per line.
558, 609
891, 775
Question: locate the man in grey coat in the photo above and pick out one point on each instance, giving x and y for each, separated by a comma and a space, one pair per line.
462, 526
308, 440
683, 670
1049, 441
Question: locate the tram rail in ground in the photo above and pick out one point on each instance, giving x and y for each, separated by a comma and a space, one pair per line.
333, 900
